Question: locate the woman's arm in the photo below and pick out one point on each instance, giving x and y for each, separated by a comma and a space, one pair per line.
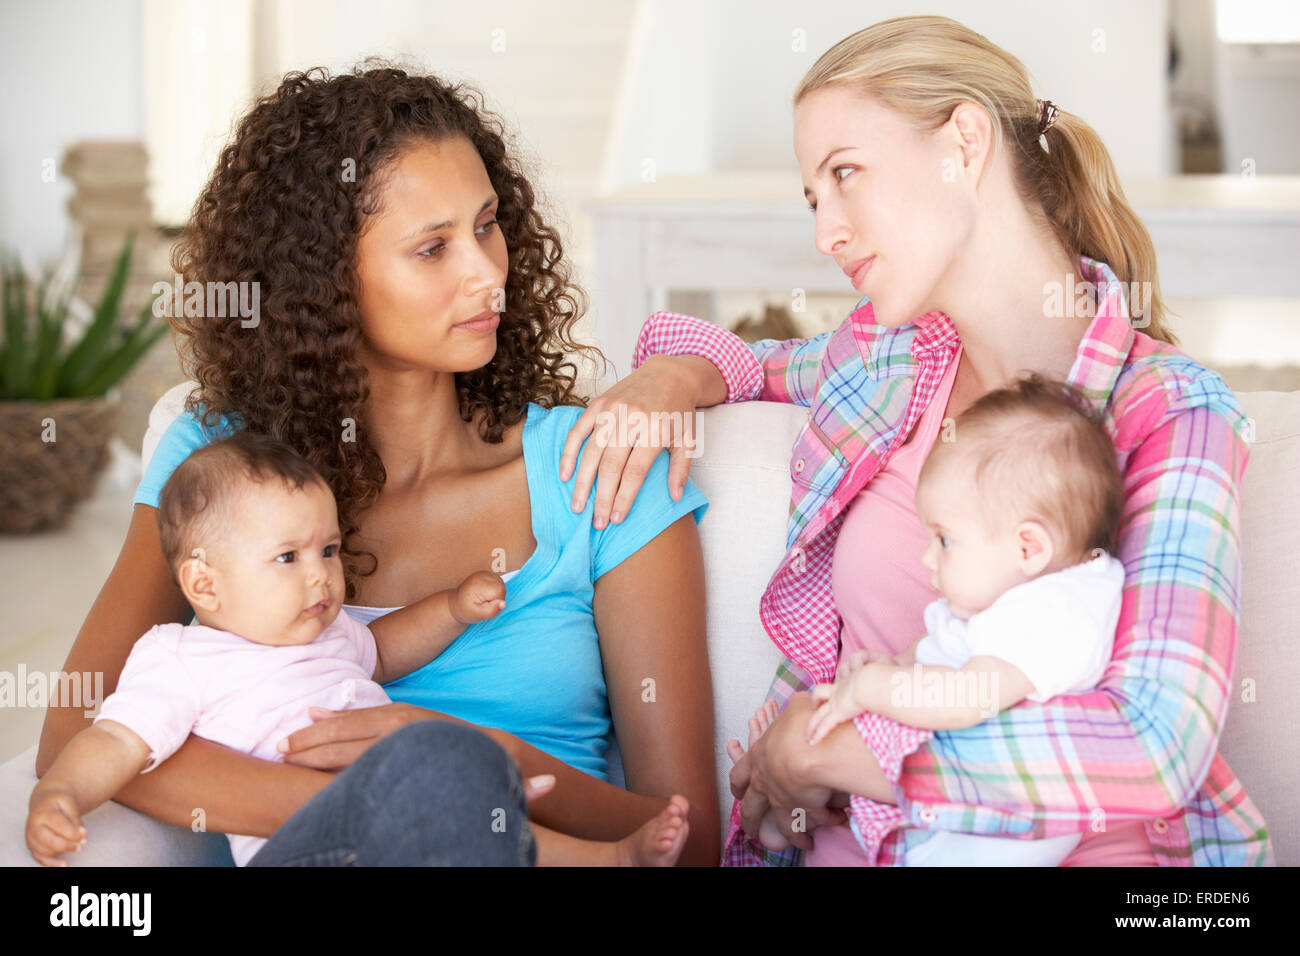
680, 363
650, 614
771, 370
237, 793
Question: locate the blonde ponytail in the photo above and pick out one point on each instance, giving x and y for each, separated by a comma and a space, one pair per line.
925, 66
1076, 182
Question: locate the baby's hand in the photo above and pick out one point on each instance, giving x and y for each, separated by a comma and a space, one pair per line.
837, 706
54, 827
480, 596
857, 659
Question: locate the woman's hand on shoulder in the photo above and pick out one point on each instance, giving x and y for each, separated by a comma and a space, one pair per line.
630, 423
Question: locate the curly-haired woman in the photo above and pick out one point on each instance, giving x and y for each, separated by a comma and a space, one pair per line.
991, 235
413, 343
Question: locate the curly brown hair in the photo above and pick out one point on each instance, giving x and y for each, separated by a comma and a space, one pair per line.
284, 208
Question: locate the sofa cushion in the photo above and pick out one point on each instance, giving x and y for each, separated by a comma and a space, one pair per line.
743, 469
1258, 740
115, 835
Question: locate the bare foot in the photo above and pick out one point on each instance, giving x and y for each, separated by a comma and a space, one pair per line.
768, 833
763, 718
659, 841
758, 725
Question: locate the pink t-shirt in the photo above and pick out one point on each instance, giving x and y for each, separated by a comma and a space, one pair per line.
180, 680
881, 593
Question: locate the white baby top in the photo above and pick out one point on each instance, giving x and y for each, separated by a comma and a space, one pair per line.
180, 679
1058, 629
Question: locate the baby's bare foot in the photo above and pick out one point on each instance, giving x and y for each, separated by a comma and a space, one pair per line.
762, 719
770, 835
758, 724
768, 832
659, 841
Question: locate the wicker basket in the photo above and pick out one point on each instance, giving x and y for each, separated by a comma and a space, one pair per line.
41, 481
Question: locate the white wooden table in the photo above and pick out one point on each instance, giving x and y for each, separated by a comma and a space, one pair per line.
1215, 237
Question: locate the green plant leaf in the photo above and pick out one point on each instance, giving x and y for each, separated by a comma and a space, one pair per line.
45, 372
79, 366
31, 366
4, 319
16, 358
121, 360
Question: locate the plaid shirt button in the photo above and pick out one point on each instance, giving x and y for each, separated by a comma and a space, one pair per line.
1161, 826
798, 465
928, 816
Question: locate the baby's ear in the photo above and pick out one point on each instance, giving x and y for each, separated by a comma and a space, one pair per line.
196, 582
1036, 547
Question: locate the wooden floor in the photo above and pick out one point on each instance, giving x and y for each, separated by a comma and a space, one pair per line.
50, 581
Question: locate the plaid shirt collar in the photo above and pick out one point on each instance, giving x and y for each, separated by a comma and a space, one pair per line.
1105, 345
932, 342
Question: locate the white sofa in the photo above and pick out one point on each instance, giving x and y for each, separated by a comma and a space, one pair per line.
744, 470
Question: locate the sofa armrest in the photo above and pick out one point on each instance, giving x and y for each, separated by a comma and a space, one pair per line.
116, 835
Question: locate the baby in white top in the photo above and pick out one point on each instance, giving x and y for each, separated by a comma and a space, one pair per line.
1023, 506
250, 530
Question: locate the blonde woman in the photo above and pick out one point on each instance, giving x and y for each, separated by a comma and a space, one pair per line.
988, 233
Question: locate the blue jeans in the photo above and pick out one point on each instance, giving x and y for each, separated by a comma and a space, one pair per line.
431, 794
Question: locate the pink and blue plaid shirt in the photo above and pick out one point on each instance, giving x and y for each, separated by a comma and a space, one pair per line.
1142, 745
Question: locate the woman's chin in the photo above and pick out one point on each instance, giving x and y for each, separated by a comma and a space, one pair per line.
892, 318
462, 360
881, 313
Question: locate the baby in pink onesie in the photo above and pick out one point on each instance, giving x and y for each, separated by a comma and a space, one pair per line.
1023, 503
251, 533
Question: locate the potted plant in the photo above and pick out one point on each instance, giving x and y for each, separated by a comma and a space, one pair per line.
57, 413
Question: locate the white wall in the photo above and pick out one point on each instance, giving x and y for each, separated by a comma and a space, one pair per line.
716, 94
667, 90
1259, 102
711, 92
69, 70
196, 91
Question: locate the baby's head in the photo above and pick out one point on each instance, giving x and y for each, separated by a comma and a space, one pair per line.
1029, 485
250, 531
